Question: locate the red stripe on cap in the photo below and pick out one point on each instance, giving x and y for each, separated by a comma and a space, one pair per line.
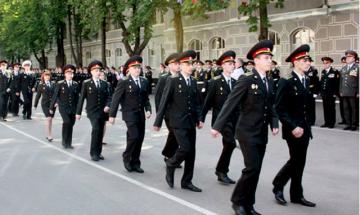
185, 59
134, 63
226, 59
299, 55
261, 51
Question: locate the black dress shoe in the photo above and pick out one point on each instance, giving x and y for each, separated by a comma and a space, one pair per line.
331, 126
254, 212
341, 123
279, 197
137, 169
49, 139
71, 147
323, 126
29, 118
239, 210
104, 143
101, 157
191, 187
128, 167
353, 128
178, 166
170, 171
95, 158
304, 202
347, 128
222, 177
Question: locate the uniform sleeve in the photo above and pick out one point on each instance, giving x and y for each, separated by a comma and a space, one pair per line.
233, 100
116, 98
38, 95
83, 95
208, 100
147, 101
55, 97
158, 91
281, 104
168, 91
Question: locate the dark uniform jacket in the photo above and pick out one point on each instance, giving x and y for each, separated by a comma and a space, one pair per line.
15, 83
181, 102
46, 92
329, 83
96, 98
291, 105
132, 99
27, 82
349, 85
4, 83
66, 97
313, 76
255, 107
217, 94
159, 89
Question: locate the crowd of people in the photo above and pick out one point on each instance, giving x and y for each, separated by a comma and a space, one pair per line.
245, 98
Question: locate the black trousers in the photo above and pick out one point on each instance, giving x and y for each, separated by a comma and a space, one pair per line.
97, 132
171, 144
28, 99
329, 110
14, 104
312, 110
229, 145
67, 128
4, 99
186, 137
294, 167
341, 105
134, 140
244, 192
351, 111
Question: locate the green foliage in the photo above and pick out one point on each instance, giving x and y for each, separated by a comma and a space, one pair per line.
251, 8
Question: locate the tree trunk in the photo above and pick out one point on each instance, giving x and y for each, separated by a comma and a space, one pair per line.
70, 35
103, 41
60, 57
78, 38
179, 31
263, 34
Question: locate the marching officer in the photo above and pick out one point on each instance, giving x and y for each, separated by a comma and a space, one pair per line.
292, 105
46, 89
349, 90
133, 95
180, 100
172, 63
98, 100
329, 89
27, 86
274, 73
312, 73
66, 97
252, 96
15, 90
4, 90
219, 89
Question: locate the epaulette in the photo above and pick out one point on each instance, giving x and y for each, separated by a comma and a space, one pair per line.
248, 73
217, 77
125, 78
60, 82
87, 80
174, 76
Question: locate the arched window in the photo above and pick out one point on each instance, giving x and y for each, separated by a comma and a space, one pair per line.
118, 52
303, 36
107, 53
217, 46
196, 45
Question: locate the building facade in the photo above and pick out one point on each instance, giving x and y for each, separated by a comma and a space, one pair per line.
329, 26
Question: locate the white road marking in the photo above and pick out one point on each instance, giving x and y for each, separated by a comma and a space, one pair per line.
123, 177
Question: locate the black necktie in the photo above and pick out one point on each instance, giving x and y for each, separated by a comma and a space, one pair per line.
137, 83
229, 83
97, 84
188, 81
303, 82
265, 82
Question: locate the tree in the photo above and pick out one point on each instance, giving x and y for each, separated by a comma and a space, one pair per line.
258, 15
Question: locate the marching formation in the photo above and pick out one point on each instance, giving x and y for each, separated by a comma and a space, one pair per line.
245, 104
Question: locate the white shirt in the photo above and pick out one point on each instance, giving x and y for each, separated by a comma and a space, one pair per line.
237, 73
137, 81
301, 77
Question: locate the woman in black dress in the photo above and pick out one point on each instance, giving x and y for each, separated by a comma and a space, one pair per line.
46, 90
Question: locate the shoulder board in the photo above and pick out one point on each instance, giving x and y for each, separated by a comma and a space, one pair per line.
87, 80
175, 76
217, 77
60, 82
125, 78
248, 73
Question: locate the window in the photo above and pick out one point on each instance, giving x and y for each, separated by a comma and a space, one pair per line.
303, 36
107, 53
88, 55
274, 37
195, 45
118, 52
217, 46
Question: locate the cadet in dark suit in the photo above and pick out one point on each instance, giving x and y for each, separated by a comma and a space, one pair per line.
329, 89
219, 89
180, 100
132, 94
98, 101
312, 73
252, 97
66, 97
349, 90
15, 91
292, 105
4, 90
172, 63
27, 85
46, 89
274, 73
